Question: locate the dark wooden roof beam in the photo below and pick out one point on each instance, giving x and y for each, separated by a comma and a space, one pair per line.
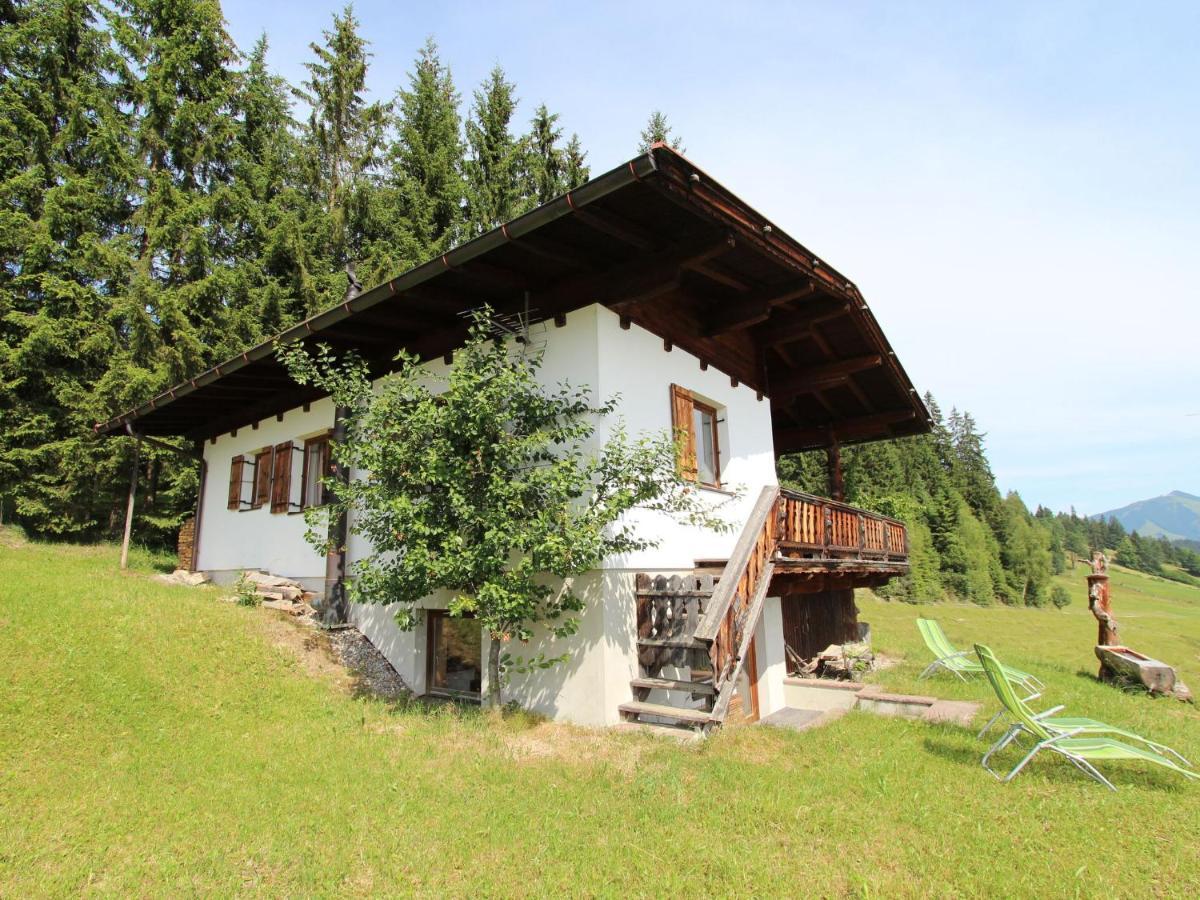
617, 227
630, 283
718, 273
754, 307
789, 440
803, 381
556, 252
494, 276
784, 327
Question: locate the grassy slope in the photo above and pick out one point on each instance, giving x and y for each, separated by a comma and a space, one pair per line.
155, 741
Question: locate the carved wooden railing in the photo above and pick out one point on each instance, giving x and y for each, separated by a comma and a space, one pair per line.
818, 528
798, 525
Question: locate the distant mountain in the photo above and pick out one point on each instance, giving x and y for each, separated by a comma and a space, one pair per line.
1175, 516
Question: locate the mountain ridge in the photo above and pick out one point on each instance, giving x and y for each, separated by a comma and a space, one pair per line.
1175, 516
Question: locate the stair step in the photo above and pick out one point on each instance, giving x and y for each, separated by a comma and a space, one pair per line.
693, 716
685, 642
670, 684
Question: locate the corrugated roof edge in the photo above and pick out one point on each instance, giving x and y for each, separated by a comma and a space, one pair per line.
600, 186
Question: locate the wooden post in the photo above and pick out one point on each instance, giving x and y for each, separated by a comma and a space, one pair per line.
1101, 607
335, 610
199, 506
833, 467
133, 479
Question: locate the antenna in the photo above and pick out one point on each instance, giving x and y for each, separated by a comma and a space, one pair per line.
519, 326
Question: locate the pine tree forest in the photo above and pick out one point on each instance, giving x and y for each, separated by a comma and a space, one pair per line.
166, 201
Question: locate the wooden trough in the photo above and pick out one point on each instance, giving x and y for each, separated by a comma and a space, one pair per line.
1155, 675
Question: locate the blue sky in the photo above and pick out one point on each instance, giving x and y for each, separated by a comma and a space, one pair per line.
1015, 188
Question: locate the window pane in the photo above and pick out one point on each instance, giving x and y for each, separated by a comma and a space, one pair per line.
457, 646
706, 457
313, 474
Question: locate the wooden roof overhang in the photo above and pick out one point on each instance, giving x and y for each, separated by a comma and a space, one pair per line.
655, 240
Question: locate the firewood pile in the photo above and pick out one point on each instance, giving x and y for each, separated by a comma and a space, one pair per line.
276, 592
844, 662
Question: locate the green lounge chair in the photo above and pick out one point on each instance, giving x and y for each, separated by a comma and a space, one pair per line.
962, 662
1073, 743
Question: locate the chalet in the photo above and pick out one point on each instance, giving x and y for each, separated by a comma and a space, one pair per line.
654, 282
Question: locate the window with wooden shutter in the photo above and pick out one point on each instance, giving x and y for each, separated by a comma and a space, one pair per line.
696, 426
281, 478
262, 477
235, 481
682, 413
316, 467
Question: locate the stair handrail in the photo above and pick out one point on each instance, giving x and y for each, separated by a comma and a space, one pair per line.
719, 627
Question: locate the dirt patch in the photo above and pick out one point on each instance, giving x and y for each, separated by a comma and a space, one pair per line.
308, 645
11, 538
584, 746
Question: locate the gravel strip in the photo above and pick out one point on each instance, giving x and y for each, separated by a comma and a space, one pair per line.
373, 674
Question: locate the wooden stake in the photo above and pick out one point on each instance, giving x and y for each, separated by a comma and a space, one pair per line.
133, 479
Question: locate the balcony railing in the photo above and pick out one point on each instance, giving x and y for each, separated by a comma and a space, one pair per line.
814, 527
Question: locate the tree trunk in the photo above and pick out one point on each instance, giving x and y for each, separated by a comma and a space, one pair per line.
494, 674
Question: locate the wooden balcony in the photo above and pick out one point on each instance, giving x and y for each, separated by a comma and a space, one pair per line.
816, 534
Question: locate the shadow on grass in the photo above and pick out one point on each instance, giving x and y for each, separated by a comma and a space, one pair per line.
1051, 766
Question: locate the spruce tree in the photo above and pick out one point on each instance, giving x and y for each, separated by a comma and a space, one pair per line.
285, 264
545, 160
658, 131
182, 86
343, 139
493, 167
66, 178
427, 157
576, 170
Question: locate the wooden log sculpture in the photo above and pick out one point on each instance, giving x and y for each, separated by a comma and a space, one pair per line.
1101, 607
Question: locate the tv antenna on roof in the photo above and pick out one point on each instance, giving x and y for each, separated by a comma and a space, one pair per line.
515, 325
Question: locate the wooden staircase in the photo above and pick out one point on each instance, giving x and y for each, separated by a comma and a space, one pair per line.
675, 687
694, 631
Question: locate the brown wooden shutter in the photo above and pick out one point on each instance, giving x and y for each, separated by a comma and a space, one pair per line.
235, 482
262, 477
281, 478
682, 428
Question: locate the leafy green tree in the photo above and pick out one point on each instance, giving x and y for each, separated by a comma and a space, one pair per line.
1060, 598
493, 168
485, 484
659, 131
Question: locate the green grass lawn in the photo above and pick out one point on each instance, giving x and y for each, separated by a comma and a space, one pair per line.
155, 741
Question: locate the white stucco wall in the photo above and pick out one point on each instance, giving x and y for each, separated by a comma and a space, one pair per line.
592, 350
772, 661
257, 538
